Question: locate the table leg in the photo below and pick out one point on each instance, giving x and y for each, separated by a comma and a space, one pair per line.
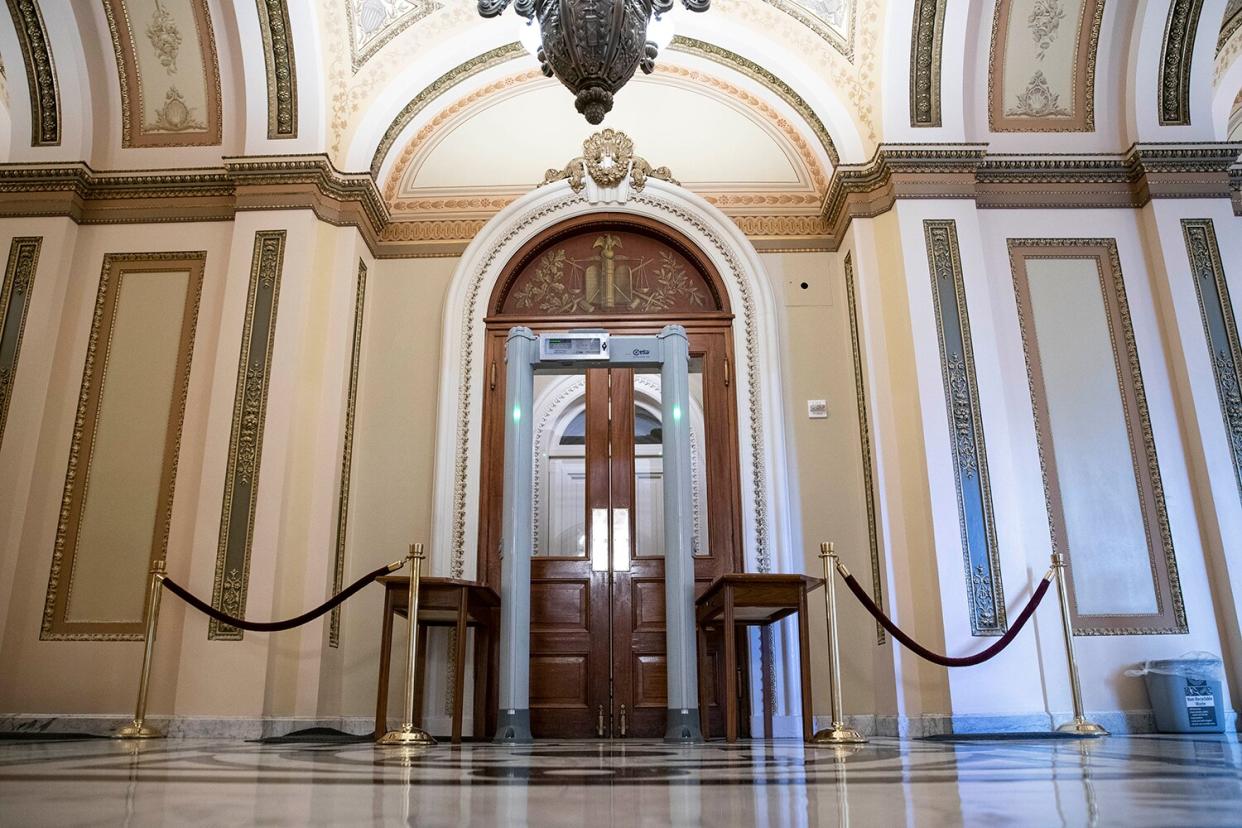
804, 656
493, 672
420, 674
730, 667
481, 677
705, 719
385, 665
459, 666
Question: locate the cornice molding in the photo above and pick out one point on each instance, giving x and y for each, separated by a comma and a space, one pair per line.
278, 182
896, 171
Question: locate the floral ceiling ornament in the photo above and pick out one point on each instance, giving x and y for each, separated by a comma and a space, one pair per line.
1045, 24
593, 46
608, 158
165, 37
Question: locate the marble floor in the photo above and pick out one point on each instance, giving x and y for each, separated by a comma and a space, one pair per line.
1131, 781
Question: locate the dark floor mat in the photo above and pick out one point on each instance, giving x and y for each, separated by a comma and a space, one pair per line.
1003, 737
315, 735
36, 736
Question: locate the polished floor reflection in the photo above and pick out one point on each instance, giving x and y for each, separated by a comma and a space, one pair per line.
1135, 781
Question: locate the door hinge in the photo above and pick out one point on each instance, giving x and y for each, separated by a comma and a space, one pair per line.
492, 380
623, 720
727, 372
599, 723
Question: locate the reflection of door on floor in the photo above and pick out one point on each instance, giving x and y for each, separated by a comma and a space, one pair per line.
597, 575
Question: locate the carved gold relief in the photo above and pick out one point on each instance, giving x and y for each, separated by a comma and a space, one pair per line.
608, 281
608, 159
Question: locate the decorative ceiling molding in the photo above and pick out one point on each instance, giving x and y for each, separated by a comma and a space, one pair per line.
1176, 57
170, 96
435, 89
832, 20
757, 73
374, 23
1043, 97
40, 73
926, 51
282, 77
1232, 22
920, 171
469, 207
405, 200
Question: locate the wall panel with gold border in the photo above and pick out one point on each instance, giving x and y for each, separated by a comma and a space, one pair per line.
1105, 499
15, 292
170, 76
1043, 59
117, 502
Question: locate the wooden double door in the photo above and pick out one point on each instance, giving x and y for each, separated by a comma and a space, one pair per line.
597, 649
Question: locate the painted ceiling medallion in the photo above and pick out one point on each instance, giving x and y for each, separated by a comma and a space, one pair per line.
608, 158
593, 46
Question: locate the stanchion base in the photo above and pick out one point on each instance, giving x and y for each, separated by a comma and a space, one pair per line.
838, 735
407, 735
1082, 727
138, 730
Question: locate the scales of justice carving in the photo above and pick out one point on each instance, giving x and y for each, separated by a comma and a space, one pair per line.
610, 271
608, 281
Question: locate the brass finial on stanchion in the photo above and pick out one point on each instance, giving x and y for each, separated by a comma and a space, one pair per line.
838, 734
1079, 726
138, 728
409, 734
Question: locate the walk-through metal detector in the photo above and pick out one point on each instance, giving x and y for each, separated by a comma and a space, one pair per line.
524, 352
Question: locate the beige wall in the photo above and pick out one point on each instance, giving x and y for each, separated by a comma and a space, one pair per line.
297, 674
825, 456
78, 676
394, 448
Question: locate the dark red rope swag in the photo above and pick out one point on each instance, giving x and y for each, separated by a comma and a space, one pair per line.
275, 626
951, 661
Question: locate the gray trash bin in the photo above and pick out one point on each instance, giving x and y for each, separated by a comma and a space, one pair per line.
1186, 694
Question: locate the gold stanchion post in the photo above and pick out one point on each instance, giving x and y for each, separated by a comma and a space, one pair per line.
409, 734
138, 728
1079, 726
838, 734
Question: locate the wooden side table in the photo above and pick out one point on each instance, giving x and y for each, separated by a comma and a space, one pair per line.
750, 600
444, 602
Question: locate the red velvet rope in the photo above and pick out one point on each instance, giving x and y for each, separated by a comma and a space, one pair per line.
943, 660
272, 626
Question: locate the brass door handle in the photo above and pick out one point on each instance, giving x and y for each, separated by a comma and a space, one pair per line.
599, 723
623, 720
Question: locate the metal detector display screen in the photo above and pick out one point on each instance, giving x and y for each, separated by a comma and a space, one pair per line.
573, 347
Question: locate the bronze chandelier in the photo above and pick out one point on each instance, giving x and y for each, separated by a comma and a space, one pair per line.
593, 46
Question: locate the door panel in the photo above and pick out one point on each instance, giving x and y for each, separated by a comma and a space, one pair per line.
597, 570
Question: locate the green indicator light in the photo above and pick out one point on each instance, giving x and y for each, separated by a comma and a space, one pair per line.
677, 413
517, 413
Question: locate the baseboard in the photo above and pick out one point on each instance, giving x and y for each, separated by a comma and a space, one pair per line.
1119, 722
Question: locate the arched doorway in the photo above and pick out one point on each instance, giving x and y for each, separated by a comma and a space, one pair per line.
597, 593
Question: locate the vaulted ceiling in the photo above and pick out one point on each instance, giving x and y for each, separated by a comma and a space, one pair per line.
757, 104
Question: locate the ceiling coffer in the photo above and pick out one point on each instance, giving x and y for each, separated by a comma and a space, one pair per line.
593, 46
